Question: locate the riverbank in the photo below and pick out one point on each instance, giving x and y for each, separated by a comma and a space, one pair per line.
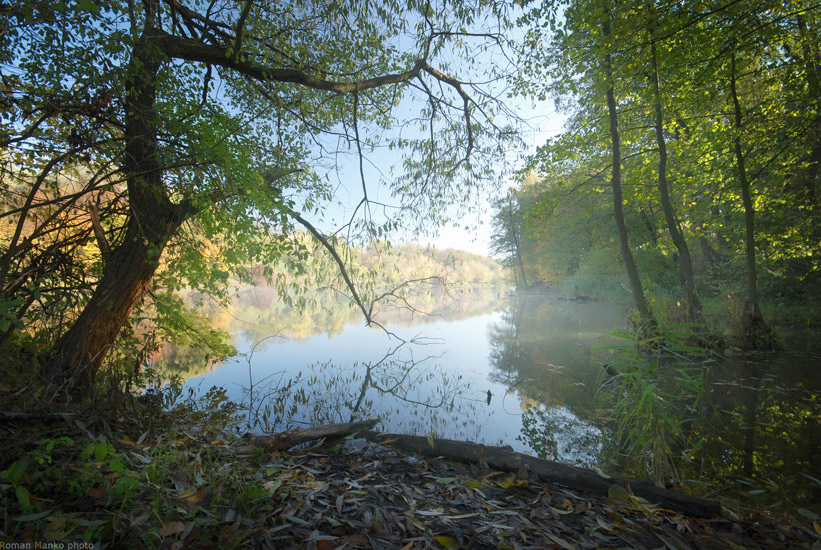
173, 480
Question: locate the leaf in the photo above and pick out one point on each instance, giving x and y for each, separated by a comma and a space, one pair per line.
445, 480
125, 440
117, 466
431, 442
33, 517
23, 496
463, 516
172, 528
98, 492
513, 482
602, 474
448, 542
809, 514
475, 484
197, 497
297, 520
618, 493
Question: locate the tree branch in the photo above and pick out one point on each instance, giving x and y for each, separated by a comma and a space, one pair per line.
330, 248
193, 50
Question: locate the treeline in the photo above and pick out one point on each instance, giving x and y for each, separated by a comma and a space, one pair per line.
688, 173
384, 264
401, 284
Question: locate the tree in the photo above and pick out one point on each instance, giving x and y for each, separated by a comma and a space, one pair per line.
506, 241
636, 288
214, 119
684, 142
685, 267
754, 324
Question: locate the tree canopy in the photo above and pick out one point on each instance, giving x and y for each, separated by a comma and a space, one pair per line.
716, 106
156, 145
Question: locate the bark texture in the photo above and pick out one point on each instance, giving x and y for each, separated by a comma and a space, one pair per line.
285, 440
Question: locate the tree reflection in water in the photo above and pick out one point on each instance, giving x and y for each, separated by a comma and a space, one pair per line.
410, 396
748, 429
541, 351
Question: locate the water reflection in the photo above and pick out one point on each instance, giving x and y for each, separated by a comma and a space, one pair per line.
748, 428
318, 364
525, 371
764, 429
541, 350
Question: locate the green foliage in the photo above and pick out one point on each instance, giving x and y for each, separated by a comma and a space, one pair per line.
125, 151
560, 191
658, 390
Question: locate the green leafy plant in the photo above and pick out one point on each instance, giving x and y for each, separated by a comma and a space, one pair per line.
658, 385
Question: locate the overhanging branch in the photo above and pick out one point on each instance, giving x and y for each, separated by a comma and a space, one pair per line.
330, 248
193, 50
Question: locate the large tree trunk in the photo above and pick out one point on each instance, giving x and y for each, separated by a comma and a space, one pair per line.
685, 264
526, 466
618, 202
131, 265
757, 334
126, 278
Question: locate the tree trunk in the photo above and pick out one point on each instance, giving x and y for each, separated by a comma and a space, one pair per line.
526, 466
756, 332
618, 202
131, 265
685, 264
282, 441
126, 278
812, 176
513, 233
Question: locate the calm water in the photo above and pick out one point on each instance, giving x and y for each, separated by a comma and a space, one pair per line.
524, 371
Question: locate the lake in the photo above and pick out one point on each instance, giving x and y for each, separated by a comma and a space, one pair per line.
525, 371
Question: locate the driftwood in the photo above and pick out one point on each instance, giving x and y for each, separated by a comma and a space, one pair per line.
570, 476
292, 438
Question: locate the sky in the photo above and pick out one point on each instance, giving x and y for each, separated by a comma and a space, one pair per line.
471, 232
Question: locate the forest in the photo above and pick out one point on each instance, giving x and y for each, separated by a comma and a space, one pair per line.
281, 158
687, 177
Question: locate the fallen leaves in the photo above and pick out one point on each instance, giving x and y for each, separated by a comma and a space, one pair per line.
370, 496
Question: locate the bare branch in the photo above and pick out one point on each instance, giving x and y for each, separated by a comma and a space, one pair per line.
240, 25
99, 233
330, 248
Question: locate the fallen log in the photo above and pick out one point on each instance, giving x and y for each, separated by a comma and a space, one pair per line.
573, 477
285, 440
